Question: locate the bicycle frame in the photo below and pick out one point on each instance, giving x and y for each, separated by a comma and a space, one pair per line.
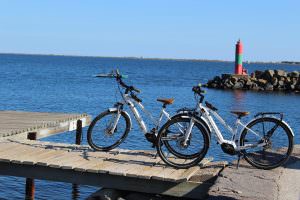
127, 100
207, 114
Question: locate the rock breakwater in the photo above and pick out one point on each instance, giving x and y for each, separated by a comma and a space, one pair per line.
268, 80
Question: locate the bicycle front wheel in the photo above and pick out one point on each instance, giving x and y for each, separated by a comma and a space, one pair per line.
278, 140
108, 130
172, 149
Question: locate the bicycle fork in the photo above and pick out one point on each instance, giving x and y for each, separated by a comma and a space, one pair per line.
188, 131
117, 117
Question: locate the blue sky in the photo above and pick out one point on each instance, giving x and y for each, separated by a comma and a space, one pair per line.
269, 30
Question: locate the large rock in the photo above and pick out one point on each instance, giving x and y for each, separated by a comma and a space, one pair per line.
258, 74
255, 87
274, 81
234, 79
238, 85
280, 72
262, 82
269, 80
280, 83
269, 87
294, 74
268, 75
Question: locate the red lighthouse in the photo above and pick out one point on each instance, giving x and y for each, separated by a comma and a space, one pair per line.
239, 59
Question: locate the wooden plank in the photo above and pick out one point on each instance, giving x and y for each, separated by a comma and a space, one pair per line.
8, 154
4, 146
41, 157
186, 175
54, 161
55, 154
17, 124
70, 158
143, 168
121, 163
130, 161
98, 161
35, 159
33, 153
91, 165
78, 162
18, 157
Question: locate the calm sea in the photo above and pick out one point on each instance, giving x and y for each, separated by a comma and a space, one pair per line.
67, 84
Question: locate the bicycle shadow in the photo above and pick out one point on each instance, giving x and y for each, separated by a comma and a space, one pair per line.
292, 163
145, 158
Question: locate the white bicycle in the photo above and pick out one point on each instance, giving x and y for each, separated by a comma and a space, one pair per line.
110, 128
265, 142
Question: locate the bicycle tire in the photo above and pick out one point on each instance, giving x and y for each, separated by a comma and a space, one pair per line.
260, 161
96, 121
190, 160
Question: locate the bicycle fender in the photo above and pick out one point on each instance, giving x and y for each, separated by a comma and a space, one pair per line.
284, 122
199, 119
289, 127
112, 109
203, 121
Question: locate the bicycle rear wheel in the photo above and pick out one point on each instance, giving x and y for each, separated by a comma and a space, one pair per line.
278, 147
101, 135
170, 145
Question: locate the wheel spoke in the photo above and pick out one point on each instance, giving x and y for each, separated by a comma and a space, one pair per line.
101, 135
267, 152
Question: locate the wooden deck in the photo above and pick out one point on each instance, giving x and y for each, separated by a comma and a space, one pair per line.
130, 170
18, 123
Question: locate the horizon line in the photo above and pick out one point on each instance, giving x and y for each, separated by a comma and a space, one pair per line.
152, 58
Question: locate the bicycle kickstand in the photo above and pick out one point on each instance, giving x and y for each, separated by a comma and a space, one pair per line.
238, 161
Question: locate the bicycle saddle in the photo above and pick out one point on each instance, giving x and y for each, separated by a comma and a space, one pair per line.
166, 101
240, 113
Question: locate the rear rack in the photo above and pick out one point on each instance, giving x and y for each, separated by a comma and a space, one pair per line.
269, 113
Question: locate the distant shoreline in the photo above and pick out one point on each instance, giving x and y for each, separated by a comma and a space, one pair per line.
170, 59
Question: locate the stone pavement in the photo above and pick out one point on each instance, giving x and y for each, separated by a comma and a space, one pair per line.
247, 183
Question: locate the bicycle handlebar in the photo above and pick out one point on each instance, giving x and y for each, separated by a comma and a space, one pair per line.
197, 89
119, 77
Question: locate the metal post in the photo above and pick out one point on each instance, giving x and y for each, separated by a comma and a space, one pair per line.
30, 187
75, 189
78, 132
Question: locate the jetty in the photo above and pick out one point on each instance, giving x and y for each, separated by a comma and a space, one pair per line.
130, 170
268, 80
18, 124
133, 172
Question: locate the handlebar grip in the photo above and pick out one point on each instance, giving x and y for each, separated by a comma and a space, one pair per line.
197, 89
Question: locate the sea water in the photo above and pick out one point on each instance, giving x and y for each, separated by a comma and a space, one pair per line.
67, 84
